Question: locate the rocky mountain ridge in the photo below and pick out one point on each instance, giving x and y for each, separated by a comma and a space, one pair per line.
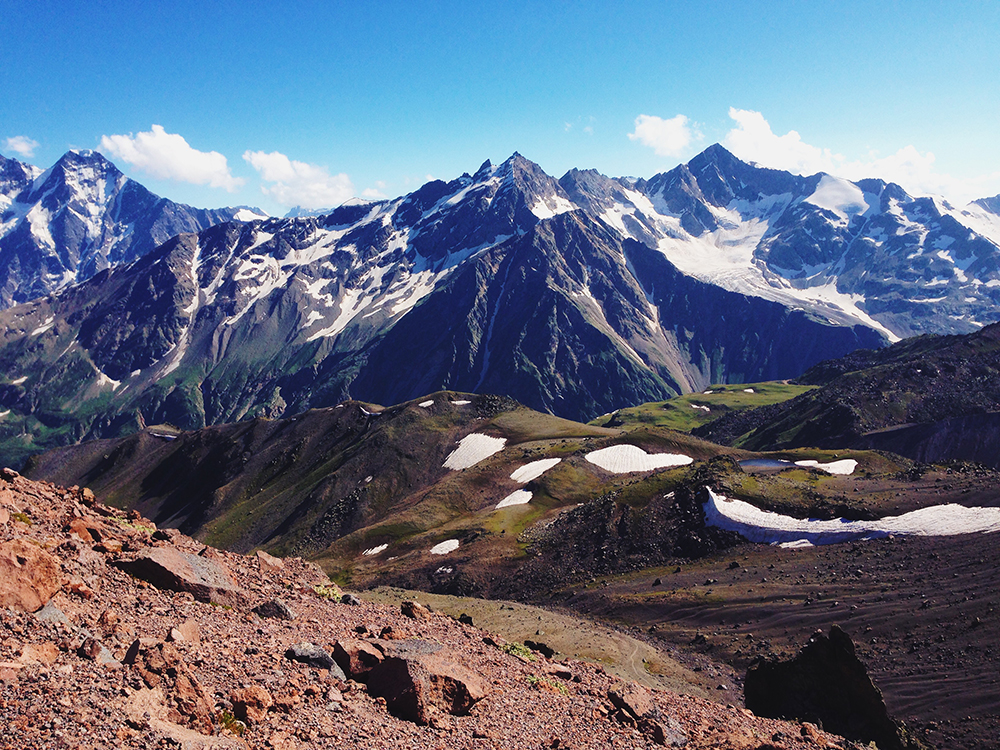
931, 398
66, 224
495, 282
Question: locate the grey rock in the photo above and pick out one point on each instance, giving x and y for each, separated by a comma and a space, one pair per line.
274, 608
314, 656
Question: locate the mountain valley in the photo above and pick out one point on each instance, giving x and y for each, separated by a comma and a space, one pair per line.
697, 417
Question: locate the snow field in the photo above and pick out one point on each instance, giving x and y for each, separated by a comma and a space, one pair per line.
472, 449
533, 470
445, 547
621, 459
517, 497
774, 528
845, 466
375, 550
425, 404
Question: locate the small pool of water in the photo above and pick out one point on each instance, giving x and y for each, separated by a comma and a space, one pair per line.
765, 463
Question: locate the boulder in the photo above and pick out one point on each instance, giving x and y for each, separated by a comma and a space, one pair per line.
274, 608
357, 658
160, 665
636, 707
268, 563
250, 704
29, 576
414, 610
188, 632
825, 684
314, 656
418, 679
168, 568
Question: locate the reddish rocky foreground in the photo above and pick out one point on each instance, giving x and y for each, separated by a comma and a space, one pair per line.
115, 634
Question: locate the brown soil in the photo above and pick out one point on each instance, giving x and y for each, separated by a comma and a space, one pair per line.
922, 611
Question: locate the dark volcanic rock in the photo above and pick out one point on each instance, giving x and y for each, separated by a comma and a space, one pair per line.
828, 685
313, 655
274, 608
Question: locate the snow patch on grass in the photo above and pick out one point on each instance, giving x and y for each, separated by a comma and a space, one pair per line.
461, 402
472, 449
49, 322
621, 459
774, 528
445, 547
425, 404
375, 550
533, 470
845, 466
699, 406
517, 497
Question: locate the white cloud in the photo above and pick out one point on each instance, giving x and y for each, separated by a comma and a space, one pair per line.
753, 140
375, 193
168, 156
296, 183
22, 145
666, 137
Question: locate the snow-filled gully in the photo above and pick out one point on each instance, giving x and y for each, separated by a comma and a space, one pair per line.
767, 527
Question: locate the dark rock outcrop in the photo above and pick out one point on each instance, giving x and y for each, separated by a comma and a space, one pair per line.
825, 684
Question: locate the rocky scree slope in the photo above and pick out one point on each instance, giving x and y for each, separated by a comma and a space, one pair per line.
81, 216
931, 398
198, 648
493, 282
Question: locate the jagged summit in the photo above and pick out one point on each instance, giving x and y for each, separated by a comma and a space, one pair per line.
78, 217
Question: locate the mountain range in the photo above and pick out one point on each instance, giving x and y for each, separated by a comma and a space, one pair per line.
65, 224
574, 296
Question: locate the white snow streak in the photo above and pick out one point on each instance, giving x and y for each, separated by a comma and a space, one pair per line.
533, 470
472, 449
445, 547
517, 497
375, 550
774, 528
844, 466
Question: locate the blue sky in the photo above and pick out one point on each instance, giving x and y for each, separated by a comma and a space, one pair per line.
276, 104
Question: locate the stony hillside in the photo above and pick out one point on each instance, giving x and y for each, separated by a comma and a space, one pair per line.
116, 634
932, 398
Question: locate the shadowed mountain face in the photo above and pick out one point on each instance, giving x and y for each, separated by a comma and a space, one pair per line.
81, 216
